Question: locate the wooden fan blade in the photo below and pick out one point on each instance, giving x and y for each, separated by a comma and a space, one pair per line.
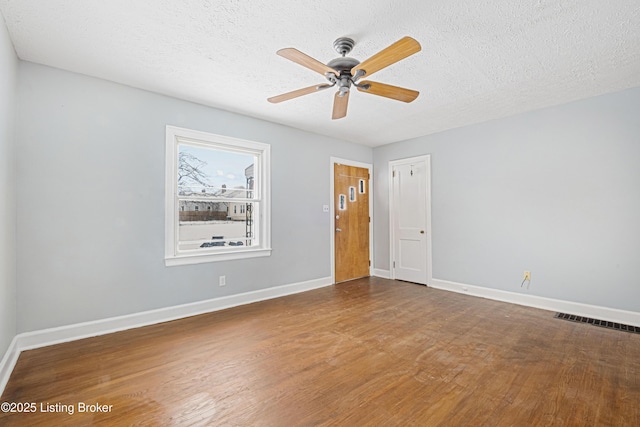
388, 91
305, 60
340, 105
404, 47
296, 93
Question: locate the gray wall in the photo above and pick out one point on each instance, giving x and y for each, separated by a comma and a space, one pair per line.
8, 71
90, 201
555, 191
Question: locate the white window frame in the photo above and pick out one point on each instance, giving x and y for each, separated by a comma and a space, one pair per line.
176, 135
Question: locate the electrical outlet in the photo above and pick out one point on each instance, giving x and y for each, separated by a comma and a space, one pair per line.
222, 281
527, 275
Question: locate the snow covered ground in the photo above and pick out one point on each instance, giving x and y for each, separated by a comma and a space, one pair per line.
198, 231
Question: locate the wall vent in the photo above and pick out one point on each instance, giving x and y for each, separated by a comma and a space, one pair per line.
598, 322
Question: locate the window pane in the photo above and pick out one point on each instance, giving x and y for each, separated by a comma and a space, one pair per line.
227, 224
219, 175
209, 172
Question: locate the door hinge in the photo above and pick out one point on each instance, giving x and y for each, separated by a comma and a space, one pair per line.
369, 263
394, 264
393, 174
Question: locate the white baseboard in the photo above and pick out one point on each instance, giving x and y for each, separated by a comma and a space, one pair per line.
8, 363
46, 337
579, 309
385, 274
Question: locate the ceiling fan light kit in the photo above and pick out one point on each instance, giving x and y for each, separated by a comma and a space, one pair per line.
344, 72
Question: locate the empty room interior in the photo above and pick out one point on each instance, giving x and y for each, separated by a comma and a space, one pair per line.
191, 235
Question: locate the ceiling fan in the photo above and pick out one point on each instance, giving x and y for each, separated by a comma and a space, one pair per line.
345, 72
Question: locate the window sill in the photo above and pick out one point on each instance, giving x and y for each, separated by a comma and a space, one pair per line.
171, 261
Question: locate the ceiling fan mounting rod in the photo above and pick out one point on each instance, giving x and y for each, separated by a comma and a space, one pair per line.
343, 45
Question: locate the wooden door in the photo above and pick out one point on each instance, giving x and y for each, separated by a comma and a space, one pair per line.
351, 192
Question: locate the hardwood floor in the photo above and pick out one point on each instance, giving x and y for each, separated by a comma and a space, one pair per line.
367, 352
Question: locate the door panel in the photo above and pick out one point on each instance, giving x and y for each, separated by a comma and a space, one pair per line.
409, 204
351, 192
409, 252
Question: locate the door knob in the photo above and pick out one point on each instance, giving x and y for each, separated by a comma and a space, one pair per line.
421, 231
338, 229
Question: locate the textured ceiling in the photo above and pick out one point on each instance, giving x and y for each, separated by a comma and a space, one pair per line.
480, 59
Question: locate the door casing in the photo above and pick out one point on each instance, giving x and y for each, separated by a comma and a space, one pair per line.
369, 167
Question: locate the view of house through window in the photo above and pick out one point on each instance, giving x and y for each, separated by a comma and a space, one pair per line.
215, 198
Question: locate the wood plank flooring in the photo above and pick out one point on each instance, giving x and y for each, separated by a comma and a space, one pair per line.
370, 352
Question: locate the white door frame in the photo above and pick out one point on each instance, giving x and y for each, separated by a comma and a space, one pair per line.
392, 163
332, 222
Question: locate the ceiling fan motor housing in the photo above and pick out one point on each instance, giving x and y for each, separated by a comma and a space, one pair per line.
343, 65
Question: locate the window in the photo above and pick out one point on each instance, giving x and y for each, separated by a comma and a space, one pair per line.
206, 174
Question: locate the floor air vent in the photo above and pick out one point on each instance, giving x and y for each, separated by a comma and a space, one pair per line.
598, 322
